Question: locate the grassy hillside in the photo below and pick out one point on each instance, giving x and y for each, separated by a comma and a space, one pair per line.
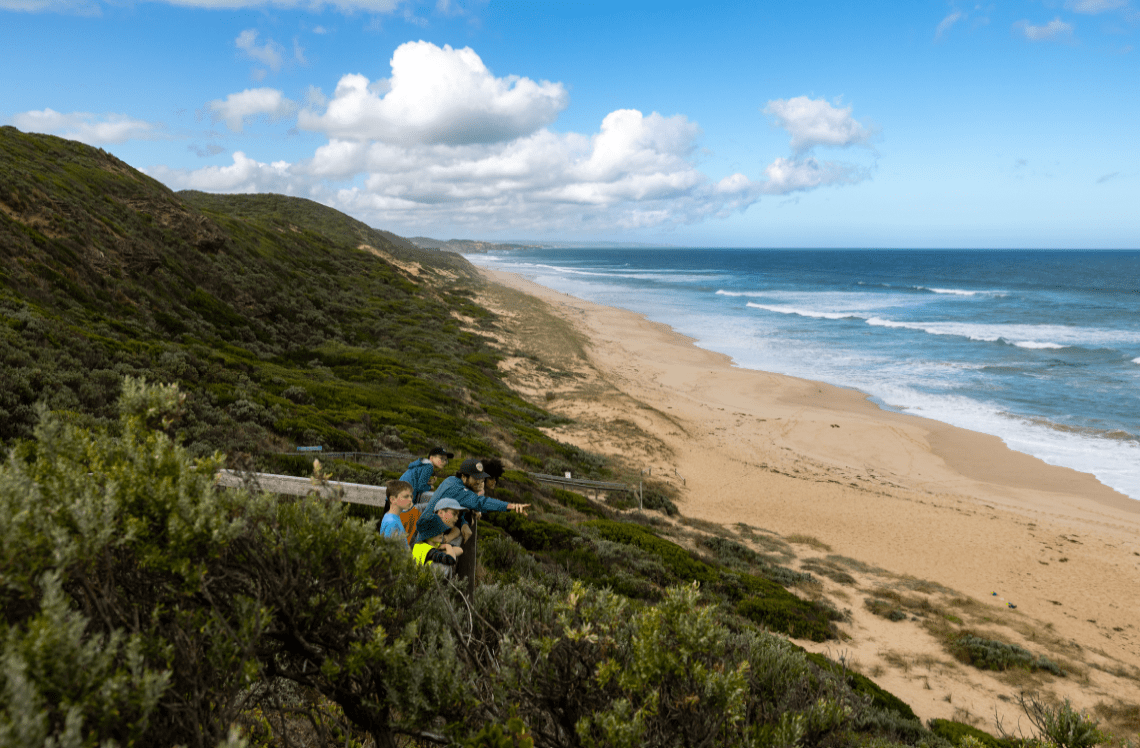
285, 321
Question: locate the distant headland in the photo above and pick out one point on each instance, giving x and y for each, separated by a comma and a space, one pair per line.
470, 246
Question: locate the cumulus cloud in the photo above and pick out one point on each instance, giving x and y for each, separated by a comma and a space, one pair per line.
445, 143
798, 175
815, 122
243, 175
1055, 30
252, 102
93, 129
945, 24
1095, 6
437, 95
636, 171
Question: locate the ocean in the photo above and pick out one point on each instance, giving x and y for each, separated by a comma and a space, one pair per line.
1039, 348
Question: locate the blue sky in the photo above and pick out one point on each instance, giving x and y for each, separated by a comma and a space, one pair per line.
805, 124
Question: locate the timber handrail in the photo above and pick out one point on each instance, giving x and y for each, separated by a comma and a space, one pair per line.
292, 485
580, 482
362, 493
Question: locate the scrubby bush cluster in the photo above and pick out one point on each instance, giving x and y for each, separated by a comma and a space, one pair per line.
987, 654
143, 606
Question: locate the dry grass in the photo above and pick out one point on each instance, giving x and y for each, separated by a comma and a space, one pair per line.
808, 540
1120, 718
833, 571
703, 525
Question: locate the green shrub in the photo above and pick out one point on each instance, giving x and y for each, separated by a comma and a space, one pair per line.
955, 731
788, 614
987, 654
174, 598
884, 609
533, 534
676, 559
1060, 724
579, 503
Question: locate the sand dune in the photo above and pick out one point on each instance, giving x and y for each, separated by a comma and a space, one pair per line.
905, 506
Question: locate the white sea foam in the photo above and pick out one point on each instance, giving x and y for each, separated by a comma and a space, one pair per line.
816, 314
1136, 360
722, 292
950, 291
1035, 344
1023, 336
1114, 461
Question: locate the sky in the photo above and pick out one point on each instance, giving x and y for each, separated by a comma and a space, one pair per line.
925, 124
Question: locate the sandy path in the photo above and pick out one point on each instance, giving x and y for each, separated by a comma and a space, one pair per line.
915, 497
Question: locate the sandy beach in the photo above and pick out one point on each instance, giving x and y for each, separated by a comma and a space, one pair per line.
947, 525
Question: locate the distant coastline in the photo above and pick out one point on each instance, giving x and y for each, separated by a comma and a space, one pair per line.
474, 246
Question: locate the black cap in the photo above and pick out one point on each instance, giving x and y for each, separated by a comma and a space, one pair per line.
473, 467
440, 451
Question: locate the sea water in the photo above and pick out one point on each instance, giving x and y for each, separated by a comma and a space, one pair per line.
1039, 348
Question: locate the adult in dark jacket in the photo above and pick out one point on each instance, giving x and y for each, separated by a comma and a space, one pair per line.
466, 487
419, 472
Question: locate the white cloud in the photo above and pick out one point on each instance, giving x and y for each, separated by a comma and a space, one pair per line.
444, 145
252, 102
437, 96
93, 129
1054, 30
74, 7
244, 175
94, 8
299, 52
315, 97
268, 54
814, 122
945, 24
796, 175
636, 171
1095, 6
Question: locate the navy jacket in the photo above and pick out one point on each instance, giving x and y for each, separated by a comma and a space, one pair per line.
453, 488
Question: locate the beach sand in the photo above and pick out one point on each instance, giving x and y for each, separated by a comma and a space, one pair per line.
947, 525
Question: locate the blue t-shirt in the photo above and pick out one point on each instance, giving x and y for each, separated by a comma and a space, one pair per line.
391, 527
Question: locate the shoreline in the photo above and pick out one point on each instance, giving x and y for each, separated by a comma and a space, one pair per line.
912, 496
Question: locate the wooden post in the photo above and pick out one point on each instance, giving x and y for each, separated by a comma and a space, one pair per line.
465, 569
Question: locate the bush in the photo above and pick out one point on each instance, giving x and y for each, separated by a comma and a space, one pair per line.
1061, 725
533, 534
956, 731
884, 609
141, 604
987, 654
579, 503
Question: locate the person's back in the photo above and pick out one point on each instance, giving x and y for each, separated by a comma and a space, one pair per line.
419, 472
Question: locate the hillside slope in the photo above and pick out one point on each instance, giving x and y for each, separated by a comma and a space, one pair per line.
284, 320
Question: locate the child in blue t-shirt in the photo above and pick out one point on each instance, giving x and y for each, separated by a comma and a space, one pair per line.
399, 501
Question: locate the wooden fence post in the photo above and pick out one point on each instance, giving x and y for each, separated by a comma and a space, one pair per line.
465, 568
